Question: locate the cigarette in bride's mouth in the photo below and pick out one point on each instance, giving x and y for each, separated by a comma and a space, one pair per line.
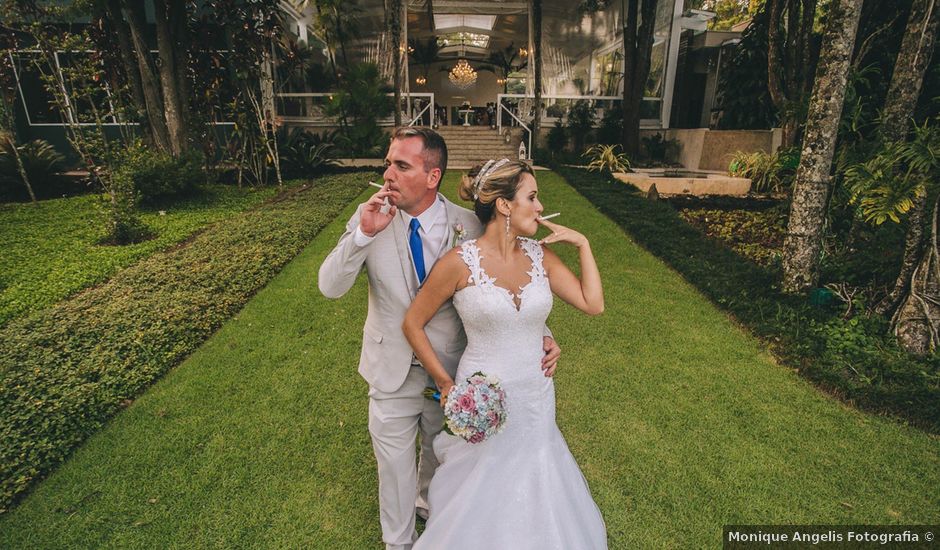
550, 216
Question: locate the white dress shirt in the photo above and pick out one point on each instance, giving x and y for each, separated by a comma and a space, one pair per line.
433, 231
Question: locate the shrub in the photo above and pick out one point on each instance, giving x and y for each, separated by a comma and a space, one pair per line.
611, 130
154, 175
555, 110
767, 172
42, 164
66, 369
580, 122
557, 139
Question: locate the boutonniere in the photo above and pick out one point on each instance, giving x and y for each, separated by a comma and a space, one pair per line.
459, 234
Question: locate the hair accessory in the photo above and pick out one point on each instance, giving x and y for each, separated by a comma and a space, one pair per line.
488, 168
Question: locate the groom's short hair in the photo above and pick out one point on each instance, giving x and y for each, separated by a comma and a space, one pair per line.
435, 150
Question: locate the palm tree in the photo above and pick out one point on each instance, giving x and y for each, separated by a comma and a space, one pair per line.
424, 52
506, 61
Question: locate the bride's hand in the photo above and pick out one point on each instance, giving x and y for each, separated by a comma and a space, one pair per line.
562, 234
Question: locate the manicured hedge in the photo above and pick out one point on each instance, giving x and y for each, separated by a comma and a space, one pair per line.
68, 368
851, 358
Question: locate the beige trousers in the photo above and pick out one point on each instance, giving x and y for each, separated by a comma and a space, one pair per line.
395, 420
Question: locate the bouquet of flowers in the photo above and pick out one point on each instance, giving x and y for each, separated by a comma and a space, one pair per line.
475, 409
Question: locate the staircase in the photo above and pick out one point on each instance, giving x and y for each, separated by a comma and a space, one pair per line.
468, 146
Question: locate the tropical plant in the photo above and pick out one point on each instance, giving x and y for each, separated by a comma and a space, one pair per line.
767, 172
505, 61
886, 185
424, 52
304, 154
364, 102
605, 158
40, 162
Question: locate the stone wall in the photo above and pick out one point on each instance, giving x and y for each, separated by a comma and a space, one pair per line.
704, 149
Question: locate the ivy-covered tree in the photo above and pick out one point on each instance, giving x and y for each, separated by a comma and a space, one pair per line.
811, 189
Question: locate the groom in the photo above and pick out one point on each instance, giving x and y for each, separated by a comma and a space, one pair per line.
398, 244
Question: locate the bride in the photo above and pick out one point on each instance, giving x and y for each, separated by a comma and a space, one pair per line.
520, 488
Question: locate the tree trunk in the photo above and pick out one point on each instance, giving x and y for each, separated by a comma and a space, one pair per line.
916, 321
811, 189
537, 85
906, 81
19, 164
175, 119
789, 60
129, 62
148, 82
393, 11
179, 23
637, 46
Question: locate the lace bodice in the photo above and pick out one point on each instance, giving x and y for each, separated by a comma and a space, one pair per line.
500, 334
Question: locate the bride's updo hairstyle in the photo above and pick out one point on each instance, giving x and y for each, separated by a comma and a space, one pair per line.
494, 179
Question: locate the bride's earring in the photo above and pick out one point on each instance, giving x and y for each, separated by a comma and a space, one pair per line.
507, 224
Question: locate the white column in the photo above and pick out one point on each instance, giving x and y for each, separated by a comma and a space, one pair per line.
406, 78
671, 60
302, 30
530, 65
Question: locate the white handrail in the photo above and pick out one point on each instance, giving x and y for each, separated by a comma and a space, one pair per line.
499, 126
421, 113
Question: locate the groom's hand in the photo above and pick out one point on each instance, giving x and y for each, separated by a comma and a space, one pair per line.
373, 220
552, 353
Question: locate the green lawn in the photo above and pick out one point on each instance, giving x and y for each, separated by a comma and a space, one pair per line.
50, 251
679, 421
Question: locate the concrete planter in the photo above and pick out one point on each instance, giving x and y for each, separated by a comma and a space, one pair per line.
697, 183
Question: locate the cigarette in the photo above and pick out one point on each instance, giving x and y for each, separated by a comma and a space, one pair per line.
385, 205
550, 216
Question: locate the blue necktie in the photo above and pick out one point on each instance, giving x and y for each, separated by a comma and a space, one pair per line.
417, 250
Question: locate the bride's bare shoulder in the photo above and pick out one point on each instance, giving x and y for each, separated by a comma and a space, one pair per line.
453, 267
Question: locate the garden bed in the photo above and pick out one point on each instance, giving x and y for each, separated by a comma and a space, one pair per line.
51, 251
851, 358
66, 369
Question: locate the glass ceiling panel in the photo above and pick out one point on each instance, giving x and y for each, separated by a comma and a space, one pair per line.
451, 21
463, 39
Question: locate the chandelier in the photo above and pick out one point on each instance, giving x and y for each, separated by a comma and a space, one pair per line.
462, 75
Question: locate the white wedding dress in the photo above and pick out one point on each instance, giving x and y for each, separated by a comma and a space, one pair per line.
520, 489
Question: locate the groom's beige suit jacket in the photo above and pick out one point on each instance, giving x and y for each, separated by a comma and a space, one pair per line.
386, 355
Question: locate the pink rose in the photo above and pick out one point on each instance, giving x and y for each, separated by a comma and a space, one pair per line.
466, 403
476, 438
492, 418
